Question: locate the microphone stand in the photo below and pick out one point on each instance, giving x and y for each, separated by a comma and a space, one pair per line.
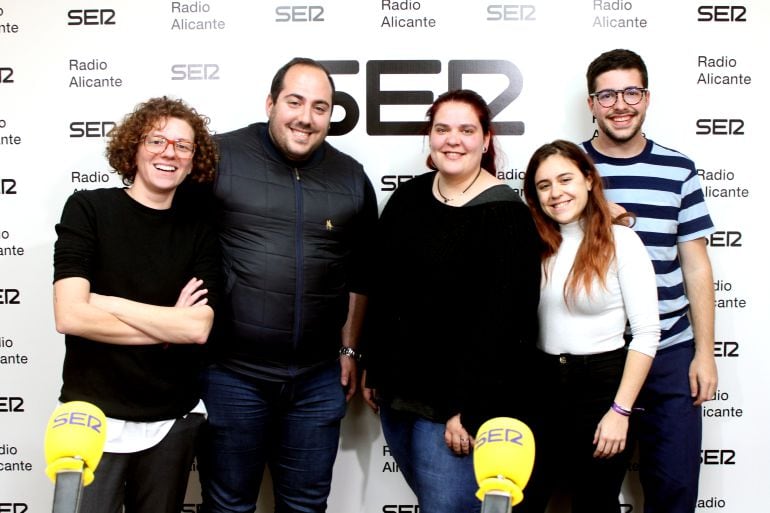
496, 502
67, 491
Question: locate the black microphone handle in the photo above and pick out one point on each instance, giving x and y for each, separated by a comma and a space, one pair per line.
67, 491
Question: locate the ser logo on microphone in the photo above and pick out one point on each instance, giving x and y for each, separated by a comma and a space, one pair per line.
500, 435
76, 418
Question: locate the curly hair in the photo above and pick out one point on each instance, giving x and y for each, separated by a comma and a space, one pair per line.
125, 138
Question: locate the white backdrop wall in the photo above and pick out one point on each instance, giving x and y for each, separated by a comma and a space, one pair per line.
70, 69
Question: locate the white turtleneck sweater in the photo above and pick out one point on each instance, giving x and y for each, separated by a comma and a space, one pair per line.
595, 324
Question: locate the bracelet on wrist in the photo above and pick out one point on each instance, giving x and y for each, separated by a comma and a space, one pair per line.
620, 410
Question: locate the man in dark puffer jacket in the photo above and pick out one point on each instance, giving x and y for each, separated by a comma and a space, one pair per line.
296, 216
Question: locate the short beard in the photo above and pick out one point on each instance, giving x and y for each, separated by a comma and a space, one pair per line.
618, 139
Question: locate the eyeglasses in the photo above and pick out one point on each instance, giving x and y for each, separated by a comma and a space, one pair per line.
609, 97
157, 144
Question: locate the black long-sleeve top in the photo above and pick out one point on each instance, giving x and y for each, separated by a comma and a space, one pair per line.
126, 249
453, 313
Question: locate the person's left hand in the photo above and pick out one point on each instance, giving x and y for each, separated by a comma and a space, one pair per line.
703, 378
610, 435
457, 438
191, 294
348, 376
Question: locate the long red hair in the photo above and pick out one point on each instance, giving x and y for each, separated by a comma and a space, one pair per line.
597, 250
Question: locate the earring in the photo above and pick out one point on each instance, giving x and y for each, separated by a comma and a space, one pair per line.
484, 150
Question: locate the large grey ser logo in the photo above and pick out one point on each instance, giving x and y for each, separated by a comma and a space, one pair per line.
376, 97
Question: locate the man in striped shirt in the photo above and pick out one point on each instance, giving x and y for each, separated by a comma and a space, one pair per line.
662, 188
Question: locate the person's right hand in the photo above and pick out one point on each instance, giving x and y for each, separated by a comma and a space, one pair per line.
617, 211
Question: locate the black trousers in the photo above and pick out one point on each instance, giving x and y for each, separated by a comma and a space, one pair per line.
577, 391
150, 481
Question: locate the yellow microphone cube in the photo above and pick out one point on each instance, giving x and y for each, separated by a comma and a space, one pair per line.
74, 439
503, 457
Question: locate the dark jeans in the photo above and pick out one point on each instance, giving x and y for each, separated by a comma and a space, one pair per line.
150, 481
292, 427
579, 391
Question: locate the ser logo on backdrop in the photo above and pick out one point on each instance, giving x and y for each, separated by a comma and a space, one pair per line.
717, 457
300, 13
10, 297
401, 508
721, 126
7, 186
13, 507
6, 75
457, 73
9, 404
91, 17
725, 239
195, 72
722, 13
90, 128
726, 349
510, 12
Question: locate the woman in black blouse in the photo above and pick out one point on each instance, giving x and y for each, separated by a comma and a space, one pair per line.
454, 310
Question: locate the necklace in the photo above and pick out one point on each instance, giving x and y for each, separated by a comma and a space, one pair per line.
447, 200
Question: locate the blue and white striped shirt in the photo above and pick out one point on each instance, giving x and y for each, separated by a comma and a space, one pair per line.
660, 186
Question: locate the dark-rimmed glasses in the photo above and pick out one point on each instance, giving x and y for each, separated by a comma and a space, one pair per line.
609, 97
157, 144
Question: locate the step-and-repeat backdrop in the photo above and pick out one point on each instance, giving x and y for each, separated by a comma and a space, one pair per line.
70, 70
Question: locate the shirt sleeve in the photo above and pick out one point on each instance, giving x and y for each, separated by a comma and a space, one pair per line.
694, 220
76, 239
639, 289
207, 263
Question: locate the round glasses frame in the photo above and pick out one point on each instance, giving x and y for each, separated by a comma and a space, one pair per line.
609, 97
157, 144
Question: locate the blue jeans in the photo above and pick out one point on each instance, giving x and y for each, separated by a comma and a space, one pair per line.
442, 481
292, 427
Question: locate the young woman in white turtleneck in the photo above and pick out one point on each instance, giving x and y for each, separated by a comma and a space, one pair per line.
597, 278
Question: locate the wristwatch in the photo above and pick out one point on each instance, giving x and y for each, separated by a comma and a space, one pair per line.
349, 352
